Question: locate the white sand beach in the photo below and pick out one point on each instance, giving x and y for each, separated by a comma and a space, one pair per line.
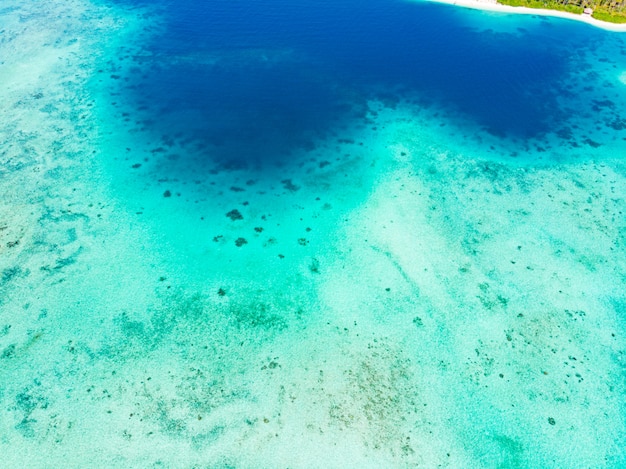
492, 5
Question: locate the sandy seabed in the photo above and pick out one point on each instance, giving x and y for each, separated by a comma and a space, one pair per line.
448, 307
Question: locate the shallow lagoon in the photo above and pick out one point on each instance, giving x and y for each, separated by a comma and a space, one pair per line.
252, 234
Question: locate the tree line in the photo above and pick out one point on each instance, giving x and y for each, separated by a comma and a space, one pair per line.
605, 10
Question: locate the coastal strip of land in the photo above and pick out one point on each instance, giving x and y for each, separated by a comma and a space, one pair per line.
492, 5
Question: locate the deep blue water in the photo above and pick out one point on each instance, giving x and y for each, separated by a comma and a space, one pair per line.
262, 77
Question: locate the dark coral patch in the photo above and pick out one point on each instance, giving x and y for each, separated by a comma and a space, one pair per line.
234, 215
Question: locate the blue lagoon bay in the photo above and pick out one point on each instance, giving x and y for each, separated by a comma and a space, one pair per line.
310, 234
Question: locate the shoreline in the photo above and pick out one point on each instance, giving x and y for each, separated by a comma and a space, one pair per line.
488, 5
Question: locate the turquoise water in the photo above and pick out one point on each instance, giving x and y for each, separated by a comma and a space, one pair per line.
310, 235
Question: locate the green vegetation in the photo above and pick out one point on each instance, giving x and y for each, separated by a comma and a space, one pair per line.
610, 16
550, 5
612, 11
